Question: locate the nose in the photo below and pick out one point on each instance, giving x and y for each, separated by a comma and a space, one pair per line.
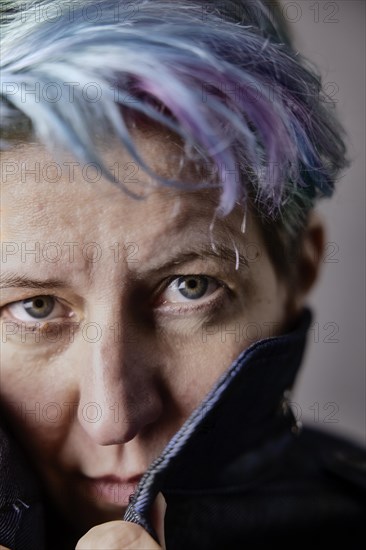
118, 396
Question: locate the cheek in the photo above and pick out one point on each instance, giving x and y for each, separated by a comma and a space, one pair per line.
267, 303
194, 366
36, 400
190, 373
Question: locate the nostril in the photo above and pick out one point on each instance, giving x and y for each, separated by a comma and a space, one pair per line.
106, 429
119, 421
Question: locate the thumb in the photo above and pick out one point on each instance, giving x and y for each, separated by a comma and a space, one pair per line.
157, 516
116, 535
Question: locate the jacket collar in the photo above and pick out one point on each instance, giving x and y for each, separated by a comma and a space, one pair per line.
245, 410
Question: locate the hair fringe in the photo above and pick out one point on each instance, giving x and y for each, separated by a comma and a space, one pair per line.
236, 93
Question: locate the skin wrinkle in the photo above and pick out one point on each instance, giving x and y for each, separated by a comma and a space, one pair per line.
155, 383
264, 128
178, 221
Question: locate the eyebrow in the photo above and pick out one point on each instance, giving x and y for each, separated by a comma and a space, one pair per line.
219, 251
9, 280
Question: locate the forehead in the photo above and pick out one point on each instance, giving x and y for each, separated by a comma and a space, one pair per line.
84, 233
35, 185
47, 199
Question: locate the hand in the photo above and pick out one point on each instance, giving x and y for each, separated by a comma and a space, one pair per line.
124, 535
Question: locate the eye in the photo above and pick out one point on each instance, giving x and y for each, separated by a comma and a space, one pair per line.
188, 288
37, 308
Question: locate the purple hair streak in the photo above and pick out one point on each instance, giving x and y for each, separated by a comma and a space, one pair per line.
235, 92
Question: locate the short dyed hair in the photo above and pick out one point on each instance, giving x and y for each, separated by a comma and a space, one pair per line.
222, 75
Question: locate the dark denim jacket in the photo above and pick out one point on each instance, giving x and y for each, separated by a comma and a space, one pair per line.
243, 471
240, 471
21, 514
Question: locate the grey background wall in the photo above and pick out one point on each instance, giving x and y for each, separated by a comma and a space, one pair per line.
331, 389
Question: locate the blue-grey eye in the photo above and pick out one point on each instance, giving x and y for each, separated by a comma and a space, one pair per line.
183, 289
193, 287
39, 307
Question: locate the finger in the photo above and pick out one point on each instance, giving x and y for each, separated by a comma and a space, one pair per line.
117, 535
157, 517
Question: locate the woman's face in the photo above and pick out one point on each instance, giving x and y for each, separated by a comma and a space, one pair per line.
118, 315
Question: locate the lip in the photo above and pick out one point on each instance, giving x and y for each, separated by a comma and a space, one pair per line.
110, 489
116, 479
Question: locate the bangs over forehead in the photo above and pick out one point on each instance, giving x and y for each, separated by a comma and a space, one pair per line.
220, 75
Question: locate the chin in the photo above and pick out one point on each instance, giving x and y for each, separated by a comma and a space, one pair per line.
87, 515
